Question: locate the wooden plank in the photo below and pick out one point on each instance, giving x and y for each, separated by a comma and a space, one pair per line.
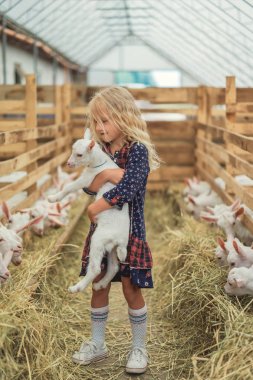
66, 94
167, 173
214, 150
31, 121
21, 161
51, 131
185, 111
12, 150
157, 95
49, 110
12, 92
242, 128
243, 142
10, 190
11, 125
217, 170
18, 136
244, 95
30, 134
12, 107
182, 130
78, 110
166, 95
46, 93
58, 105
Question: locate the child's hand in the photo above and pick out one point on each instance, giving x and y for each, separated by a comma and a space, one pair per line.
91, 213
95, 208
115, 175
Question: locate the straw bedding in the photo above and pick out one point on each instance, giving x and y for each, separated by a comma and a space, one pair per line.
195, 331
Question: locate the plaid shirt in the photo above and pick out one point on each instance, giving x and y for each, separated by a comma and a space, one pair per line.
131, 189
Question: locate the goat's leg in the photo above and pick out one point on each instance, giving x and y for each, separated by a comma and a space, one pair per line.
121, 253
83, 181
94, 268
112, 269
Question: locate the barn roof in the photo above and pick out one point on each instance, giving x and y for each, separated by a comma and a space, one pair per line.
209, 39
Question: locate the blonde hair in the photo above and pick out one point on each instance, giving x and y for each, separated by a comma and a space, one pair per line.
122, 111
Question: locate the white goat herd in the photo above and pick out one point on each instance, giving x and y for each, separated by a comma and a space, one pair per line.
237, 251
39, 217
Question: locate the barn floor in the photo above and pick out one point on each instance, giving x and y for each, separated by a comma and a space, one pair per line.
194, 330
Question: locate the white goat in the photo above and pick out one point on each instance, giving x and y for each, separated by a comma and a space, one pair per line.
222, 251
195, 187
240, 281
45, 215
10, 248
197, 204
240, 255
112, 231
229, 222
19, 221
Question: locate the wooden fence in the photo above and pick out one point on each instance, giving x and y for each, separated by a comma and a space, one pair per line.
27, 144
212, 135
226, 151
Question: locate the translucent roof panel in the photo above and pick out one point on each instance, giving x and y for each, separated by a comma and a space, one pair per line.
209, 39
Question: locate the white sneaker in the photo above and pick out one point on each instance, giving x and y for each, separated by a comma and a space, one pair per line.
137, 360
89, 352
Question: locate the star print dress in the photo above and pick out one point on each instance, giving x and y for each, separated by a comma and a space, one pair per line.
131, 189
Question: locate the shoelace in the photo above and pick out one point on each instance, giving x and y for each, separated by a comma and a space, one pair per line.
138, 353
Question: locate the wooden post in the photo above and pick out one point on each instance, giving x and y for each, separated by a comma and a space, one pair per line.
203, 115
230, 101
66, 102
31, 119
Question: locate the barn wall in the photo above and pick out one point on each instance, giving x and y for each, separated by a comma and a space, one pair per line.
25, 59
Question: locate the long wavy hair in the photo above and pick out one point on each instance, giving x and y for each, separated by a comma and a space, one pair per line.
119, 106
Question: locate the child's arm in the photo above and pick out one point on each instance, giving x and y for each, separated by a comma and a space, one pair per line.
108, 175
136, 172
134, 178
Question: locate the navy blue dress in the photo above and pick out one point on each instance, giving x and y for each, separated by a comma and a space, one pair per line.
133, 157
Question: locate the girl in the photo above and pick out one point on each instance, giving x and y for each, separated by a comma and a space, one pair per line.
116, 124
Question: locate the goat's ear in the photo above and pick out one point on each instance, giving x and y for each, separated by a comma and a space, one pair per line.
87, 134
58, 206
235, 205
209, 219
30, 223
209, 210
91, 145
56, 221
191, 199
238, 249
239, 212
6, 210
221, 243
240, 283
187, 181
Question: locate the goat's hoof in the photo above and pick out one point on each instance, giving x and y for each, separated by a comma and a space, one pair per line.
73, 289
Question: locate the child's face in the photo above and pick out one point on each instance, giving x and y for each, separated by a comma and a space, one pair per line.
107, 130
